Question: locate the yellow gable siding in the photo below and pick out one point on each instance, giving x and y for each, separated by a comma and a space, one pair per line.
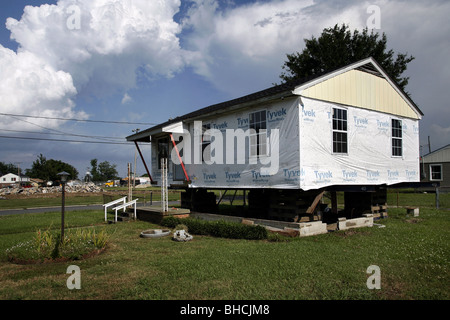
363, 90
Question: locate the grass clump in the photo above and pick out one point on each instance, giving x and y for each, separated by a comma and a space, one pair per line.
220, 229
46, 245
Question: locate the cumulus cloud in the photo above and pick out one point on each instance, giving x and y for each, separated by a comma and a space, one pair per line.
28, 85
86, 47
240, 44
126, 98
105, 45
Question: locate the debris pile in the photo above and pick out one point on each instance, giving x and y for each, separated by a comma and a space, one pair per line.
83, 188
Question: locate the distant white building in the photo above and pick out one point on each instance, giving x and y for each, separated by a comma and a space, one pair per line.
12, 179
436, 166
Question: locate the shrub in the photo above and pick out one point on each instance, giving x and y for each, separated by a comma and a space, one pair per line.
182, 227
221, 228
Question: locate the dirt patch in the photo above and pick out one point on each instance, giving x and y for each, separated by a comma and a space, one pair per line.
413, 220
350, 232
393, 289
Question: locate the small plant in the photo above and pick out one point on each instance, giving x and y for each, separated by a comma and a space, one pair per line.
47, 245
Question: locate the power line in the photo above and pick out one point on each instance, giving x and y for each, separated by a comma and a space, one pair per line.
63, 134
58, 131
63, 140
80, 120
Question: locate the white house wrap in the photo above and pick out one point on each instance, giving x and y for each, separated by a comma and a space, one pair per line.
352, 126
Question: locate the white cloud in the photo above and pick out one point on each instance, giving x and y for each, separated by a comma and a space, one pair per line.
28, 85
108, 46
249, 43
126, 98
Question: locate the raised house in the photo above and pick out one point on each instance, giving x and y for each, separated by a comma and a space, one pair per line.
352, 130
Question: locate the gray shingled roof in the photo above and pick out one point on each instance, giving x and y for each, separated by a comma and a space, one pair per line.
277, 90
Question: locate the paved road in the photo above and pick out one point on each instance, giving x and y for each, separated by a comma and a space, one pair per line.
49, 209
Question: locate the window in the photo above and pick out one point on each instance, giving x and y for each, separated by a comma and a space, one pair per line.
436, 172
258, 136
397, 138
340, 131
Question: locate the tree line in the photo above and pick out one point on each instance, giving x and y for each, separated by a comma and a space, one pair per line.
48, 169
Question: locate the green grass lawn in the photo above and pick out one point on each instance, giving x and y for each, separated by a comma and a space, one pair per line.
83, 199
412, 253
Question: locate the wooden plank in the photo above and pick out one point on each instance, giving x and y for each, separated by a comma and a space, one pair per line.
313, 206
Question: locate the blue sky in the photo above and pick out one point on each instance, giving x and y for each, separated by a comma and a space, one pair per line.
148, 61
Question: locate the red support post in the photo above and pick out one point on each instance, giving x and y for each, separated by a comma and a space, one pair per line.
179, 157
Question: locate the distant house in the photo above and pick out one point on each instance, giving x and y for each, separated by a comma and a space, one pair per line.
11, 179
436, 166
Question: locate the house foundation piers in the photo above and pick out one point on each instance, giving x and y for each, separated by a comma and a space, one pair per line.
313, 211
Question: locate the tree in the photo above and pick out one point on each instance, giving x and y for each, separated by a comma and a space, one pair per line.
103, 171
94, 172
9, 168
48, 170
38, 169
107, 171
337, 47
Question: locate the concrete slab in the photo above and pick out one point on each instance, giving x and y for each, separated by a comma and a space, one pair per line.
154, 214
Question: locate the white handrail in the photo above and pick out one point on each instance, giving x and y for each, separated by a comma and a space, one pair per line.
123, 206
109, 204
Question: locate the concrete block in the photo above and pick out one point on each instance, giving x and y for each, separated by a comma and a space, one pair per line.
342, 223
248, 222
312, 228
359, 222
413, 210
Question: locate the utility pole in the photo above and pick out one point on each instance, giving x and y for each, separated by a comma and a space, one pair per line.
130, 195
18, 173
